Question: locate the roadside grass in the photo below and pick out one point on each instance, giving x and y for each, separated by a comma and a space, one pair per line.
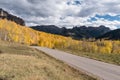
20, 62
108, 58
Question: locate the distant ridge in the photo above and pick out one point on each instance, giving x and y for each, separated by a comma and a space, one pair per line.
76, 32
6, 15
111, 35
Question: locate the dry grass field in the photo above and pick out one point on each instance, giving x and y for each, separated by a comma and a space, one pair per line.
20, 62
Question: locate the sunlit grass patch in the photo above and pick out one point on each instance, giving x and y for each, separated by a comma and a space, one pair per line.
20, 62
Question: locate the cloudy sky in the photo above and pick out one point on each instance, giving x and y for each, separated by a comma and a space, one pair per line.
66, 12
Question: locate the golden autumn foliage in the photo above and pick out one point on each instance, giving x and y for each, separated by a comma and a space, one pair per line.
103, 46
11, 31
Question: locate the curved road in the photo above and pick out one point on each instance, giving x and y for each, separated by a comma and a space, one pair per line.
101, 70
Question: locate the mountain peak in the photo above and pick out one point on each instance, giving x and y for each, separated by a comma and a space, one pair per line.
1, 9
102, 26
111, 35
5, 15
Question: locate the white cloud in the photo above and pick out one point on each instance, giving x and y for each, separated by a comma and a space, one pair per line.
111, 24
51, 11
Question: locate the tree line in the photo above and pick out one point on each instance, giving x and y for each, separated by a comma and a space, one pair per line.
10, 31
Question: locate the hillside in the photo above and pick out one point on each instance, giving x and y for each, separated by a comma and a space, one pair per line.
5, 15
112, 35
10, 31
75, 32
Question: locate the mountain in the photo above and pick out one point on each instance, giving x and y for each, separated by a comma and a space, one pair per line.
6, 15
75, 32
48, 28
111, 35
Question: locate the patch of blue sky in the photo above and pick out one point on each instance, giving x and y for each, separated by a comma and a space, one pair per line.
92, 19
74, 2
106, 17
109, 17
118, 26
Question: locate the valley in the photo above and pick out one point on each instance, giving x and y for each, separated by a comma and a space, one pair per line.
18, 61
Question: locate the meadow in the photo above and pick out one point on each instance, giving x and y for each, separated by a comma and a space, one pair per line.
103, 50
21, 62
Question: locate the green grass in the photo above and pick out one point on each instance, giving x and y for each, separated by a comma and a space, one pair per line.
20, 62
109, 58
